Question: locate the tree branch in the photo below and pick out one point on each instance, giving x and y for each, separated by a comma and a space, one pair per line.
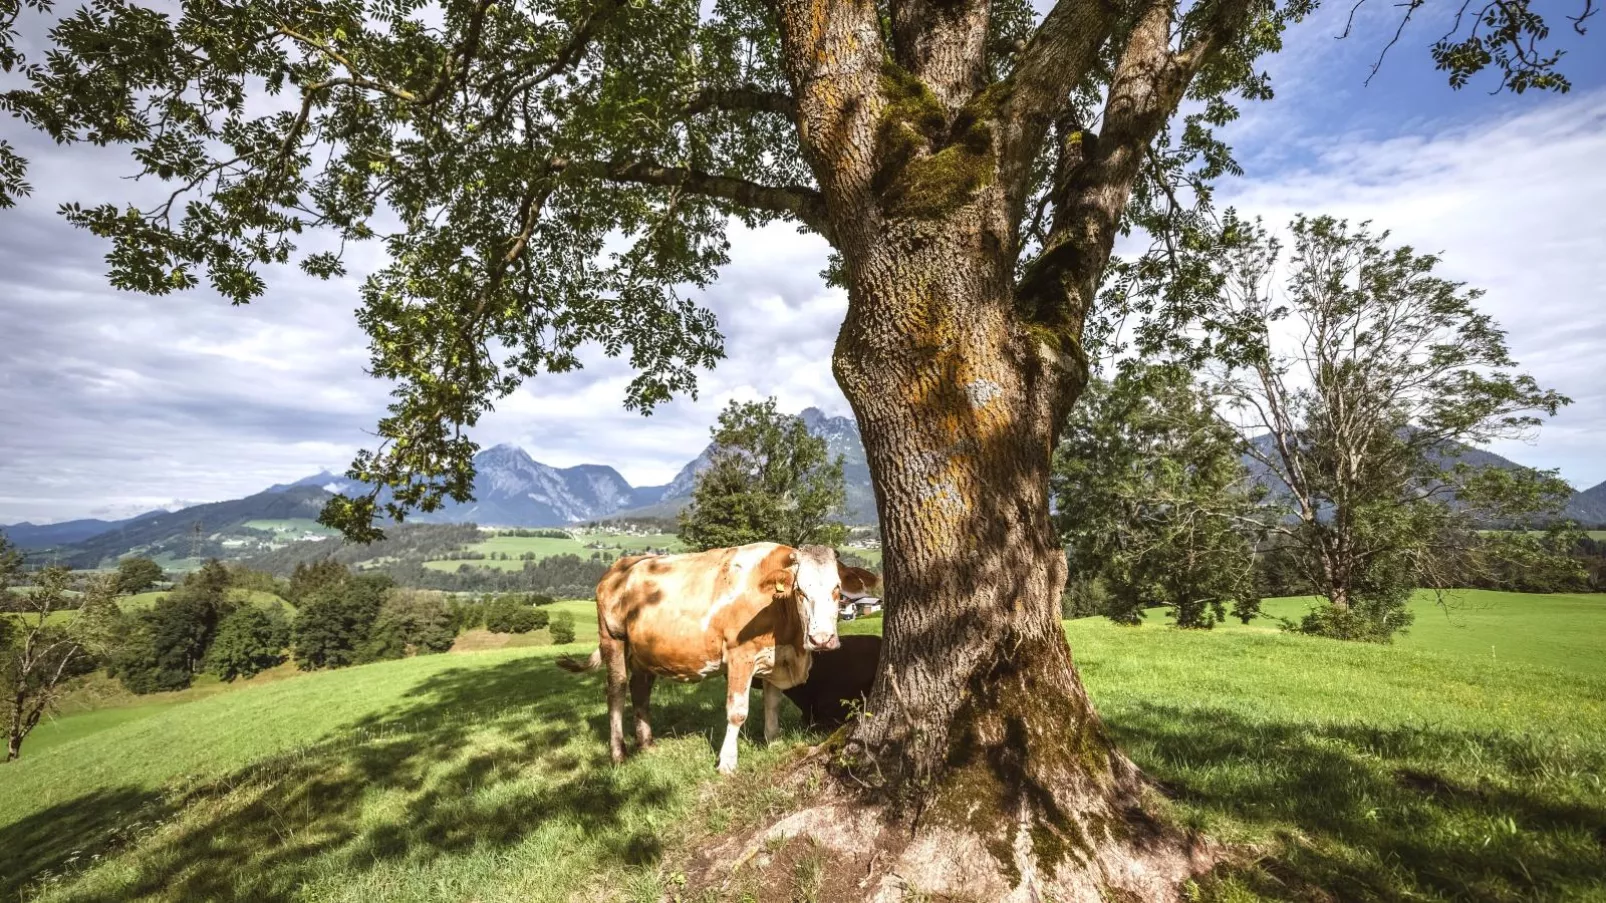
1150, 80
566, 58
741, 99
1057, 58
834, 57
796, 200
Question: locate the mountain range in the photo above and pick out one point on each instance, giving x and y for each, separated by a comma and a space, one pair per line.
511, 489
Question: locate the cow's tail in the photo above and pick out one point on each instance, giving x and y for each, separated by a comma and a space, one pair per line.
576, 666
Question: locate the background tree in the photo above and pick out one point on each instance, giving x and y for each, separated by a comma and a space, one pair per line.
38, 660
1362, 418
101, 627
562, 628
249, 641
336, 619
307, 578
509, 613
556, 172
769, 480
410, 622
1153, 501
169, 642
251, 580
137, 574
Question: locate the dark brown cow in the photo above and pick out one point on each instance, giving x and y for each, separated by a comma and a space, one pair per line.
838, 683
758, 610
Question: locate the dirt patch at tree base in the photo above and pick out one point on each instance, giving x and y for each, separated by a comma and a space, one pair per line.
838, 847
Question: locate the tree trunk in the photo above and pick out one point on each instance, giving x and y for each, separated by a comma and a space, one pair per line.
15, 731
979, 723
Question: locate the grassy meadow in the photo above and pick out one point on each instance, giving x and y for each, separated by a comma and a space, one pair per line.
1435, 769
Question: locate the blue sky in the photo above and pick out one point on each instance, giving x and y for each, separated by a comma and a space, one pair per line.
112, 403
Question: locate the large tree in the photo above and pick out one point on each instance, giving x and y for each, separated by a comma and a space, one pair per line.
1364, 384
769, 480
550, 173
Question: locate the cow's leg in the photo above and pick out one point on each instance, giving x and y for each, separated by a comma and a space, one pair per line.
640, 695
772, 712
739, 682
613, 658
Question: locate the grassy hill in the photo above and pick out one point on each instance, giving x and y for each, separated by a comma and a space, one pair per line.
1436, 769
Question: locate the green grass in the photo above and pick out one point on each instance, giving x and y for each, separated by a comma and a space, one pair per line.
1596, 534
1427, 770
546, 547
53, 732
461, 777
1480, 625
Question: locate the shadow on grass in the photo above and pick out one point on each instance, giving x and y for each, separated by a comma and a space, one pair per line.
474, 759
1363, 813
65, 836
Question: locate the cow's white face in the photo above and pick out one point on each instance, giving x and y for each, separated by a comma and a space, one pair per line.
819, 597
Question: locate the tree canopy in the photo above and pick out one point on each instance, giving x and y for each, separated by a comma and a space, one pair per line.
137, 574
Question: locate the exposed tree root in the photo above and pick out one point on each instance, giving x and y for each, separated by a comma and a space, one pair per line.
841, 847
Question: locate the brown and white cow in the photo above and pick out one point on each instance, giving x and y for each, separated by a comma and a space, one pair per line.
757, 610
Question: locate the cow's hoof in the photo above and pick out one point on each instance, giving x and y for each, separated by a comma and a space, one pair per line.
727, 768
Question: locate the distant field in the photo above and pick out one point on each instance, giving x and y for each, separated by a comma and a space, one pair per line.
1597, 534
546, 547
179, 565
296, 525
873, 556
1429, 770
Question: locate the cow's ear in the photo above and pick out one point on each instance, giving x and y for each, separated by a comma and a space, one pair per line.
778, 582
856, 579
